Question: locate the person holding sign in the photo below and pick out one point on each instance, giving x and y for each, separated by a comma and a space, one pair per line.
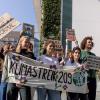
86, 46
12, 88
73, 64
53, 62
1, 64
3, 85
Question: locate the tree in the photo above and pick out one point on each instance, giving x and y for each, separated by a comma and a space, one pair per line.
51, 10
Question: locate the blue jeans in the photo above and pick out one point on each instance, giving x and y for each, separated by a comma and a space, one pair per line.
3, 88
12, 92
52, 94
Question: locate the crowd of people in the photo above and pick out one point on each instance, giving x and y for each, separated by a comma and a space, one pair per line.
75, 57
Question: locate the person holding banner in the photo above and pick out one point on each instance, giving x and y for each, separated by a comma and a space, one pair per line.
73, 64
1, 64
86, 46
53, 62
3, 85
12, 88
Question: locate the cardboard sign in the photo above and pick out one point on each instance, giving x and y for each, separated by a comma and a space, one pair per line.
7, 24
37, 75
28, 30
8, 27
4, 19
93, 62
70, 35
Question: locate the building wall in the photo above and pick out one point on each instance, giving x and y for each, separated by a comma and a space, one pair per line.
66, 18
66, 21
38, 12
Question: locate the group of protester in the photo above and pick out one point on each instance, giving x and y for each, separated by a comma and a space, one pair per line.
75, 57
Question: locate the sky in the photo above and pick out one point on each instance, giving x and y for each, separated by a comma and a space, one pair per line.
86, 21
22, 10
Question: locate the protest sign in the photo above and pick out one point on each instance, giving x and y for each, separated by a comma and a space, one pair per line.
8, 28
93, 62
58, 45
37, 75
70, 34
28, 30
5, 18
7, 24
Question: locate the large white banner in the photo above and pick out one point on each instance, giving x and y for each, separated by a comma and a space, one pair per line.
37, 74
7, 24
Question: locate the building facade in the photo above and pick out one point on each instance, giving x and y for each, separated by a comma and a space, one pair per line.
65, 18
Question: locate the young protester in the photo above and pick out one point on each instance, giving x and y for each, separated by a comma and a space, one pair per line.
3, 85
59, 55
86, 46
1, 63
74, 62
67, 59
44, 47
30, 51
13, 89
47, 58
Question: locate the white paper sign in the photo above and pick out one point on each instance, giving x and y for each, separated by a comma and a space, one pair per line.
93, 62
5, 18
7, 24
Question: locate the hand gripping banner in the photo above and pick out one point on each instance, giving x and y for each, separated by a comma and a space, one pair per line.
37, 74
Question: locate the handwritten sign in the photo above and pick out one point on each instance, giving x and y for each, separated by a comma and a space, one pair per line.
7, 24
93, 62
70, 35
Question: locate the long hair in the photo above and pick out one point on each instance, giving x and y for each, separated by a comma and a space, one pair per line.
84, 41
48, 42
74, 49
30, 48
18, 48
